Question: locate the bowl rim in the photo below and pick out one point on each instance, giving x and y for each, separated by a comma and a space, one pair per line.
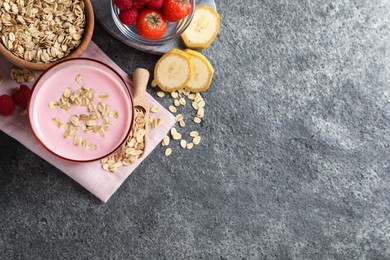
87, 36
126, 32
125, 85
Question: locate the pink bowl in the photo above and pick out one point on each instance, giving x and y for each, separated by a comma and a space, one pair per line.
50, 87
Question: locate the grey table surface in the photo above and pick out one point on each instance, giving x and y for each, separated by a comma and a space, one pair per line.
294, 162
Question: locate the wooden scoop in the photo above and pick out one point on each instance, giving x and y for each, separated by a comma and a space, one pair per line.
140, 81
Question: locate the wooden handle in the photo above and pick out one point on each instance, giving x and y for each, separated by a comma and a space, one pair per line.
140, 80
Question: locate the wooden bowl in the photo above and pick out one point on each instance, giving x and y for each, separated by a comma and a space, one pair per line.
87, 35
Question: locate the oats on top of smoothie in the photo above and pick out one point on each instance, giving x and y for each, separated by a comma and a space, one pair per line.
96, 119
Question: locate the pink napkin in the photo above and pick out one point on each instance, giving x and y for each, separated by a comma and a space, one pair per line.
90, 175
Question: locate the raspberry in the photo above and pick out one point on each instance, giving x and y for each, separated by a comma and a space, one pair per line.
139, 4
128, 17
21, 96
7, 105
123, 4
155, 4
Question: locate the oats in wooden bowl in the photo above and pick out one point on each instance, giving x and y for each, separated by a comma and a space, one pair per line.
38, 34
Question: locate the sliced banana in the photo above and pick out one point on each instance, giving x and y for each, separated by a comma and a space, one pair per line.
203, 29
202, 73
173, 70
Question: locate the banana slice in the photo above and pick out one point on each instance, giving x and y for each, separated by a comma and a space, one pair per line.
203, 29
202, 73
173, 70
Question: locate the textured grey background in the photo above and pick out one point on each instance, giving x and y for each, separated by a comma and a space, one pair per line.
294, 163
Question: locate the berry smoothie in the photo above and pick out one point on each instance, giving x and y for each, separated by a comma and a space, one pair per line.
75, 75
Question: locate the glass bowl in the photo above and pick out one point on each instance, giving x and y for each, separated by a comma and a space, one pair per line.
174, 29
49, 121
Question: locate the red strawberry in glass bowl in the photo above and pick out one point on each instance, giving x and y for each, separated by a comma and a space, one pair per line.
156, 30
7, 105
175, 10
151, 24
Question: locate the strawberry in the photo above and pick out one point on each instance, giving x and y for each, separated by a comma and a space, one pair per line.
151, 24
7, 105
123, 4
21, 96
155, 4
129, 16
175, 10
139, 4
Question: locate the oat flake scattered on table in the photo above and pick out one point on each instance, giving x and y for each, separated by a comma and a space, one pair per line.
179, 100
